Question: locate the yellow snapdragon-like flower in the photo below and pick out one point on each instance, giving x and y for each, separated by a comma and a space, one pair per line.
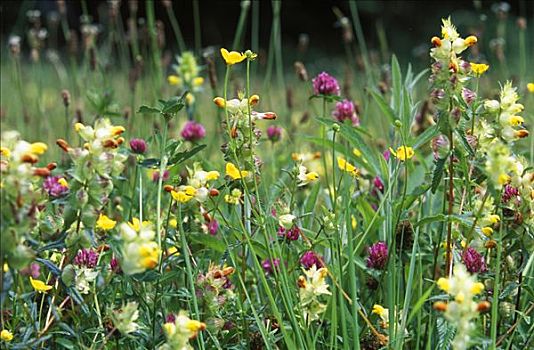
479, 68
105, 223
179, 332
6, 335
530, 87
346, 166
5, 152
311, 287
39, 286
403, 153
232, 57
174, 80
184, 194
234, 172
304, 177
139, 250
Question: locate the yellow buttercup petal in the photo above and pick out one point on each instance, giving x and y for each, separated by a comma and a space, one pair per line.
39, 286
232, 57
234, 172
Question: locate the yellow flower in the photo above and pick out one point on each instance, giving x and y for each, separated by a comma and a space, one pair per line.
346, 166
5, 152
503, 179
443, 284
403, 153
353, 222
516, 120
38, 148
479, 68
356, 152
174, 80
104, 223
487, 230
78, 127
189, 99
232, 57
493, 218
212, 175
63, 182
198, 81
149, 254
477, 288
173, 223
530, 87
379, 310
136, 224
181, 196
6, 267
39, 286
234, 172
6, 335
173, 251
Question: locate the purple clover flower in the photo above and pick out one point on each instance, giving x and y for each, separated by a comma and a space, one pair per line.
309, 259
345, 110
468, 95
115, 266
86, 257
33, 270
325, 84
155, 176
473, 261
138, 146
193, 131
269, 265
274, 133
378, 256
54, 189
509, 193
213, 227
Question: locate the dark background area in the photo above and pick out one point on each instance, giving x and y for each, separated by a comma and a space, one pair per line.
410, 23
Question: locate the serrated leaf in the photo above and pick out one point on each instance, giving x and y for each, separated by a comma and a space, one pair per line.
438, 173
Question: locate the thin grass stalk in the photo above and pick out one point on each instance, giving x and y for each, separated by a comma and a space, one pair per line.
236, 43
176, 29
496, 286
154, 49
352, 275
361, 39
198, 28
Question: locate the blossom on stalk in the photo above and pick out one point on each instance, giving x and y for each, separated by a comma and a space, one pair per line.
461, 312
450, 44
473, 260
125, 319
274, 133
345, 110
312, 286
6, 335
232, 57
138, 249
378, 256
304, 177
383, 313
479, 68
234, 173
403, 153
193, 131
325, 84
39, 286
180, 331
104, 223
346, 166
310, 258
138, 146
269, 265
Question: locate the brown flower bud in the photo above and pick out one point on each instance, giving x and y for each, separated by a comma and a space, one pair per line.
43, 172
29, 158
440, 306
65, 95
110, 143
63, 144
522, 23
51, 166
301, 283
214, 192
301, 71
483, 306
491, 244
168, 188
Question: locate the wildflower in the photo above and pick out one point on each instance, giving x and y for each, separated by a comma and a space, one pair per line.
193, 131
55, 186
234, 172
174, 80
383, 313
115, 266
291, 234
488, 231
403, 153
232, 57
306, 177
198, 81
468, 95
311, 287
33, 270
346, 166
479, 68
39, 286
325, 84
286, 221
345, 110
180, 330
509, 193
139, 250
86, 257
274, 133
463, 309
125, 318
234, 197
473, 261
155, 175
184, 194
530, 87
378, 184
105, 223
378, 256
6, 335
213, 227
309, 259
138, 146
269, 265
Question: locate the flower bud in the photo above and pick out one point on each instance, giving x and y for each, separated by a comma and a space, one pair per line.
492, 106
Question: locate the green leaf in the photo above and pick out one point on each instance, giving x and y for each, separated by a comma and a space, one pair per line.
148, 110
208, 241
384, 107
430, 219
150, 163
465, 143
426, 136
173, 106
396, 84
180, 157
438, 173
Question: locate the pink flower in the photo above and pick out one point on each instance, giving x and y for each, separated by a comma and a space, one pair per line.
325, 84
213, 227
345, 110
86, 257
378, 256
33, 270
274, 133
193, 131
54, 188
270, 265
155, 176
309, 259
138, 146
473, 261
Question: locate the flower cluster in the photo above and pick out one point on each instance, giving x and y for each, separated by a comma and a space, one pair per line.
187, 73
197, 186
139, 251
460, 312
311, 287
180, 331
